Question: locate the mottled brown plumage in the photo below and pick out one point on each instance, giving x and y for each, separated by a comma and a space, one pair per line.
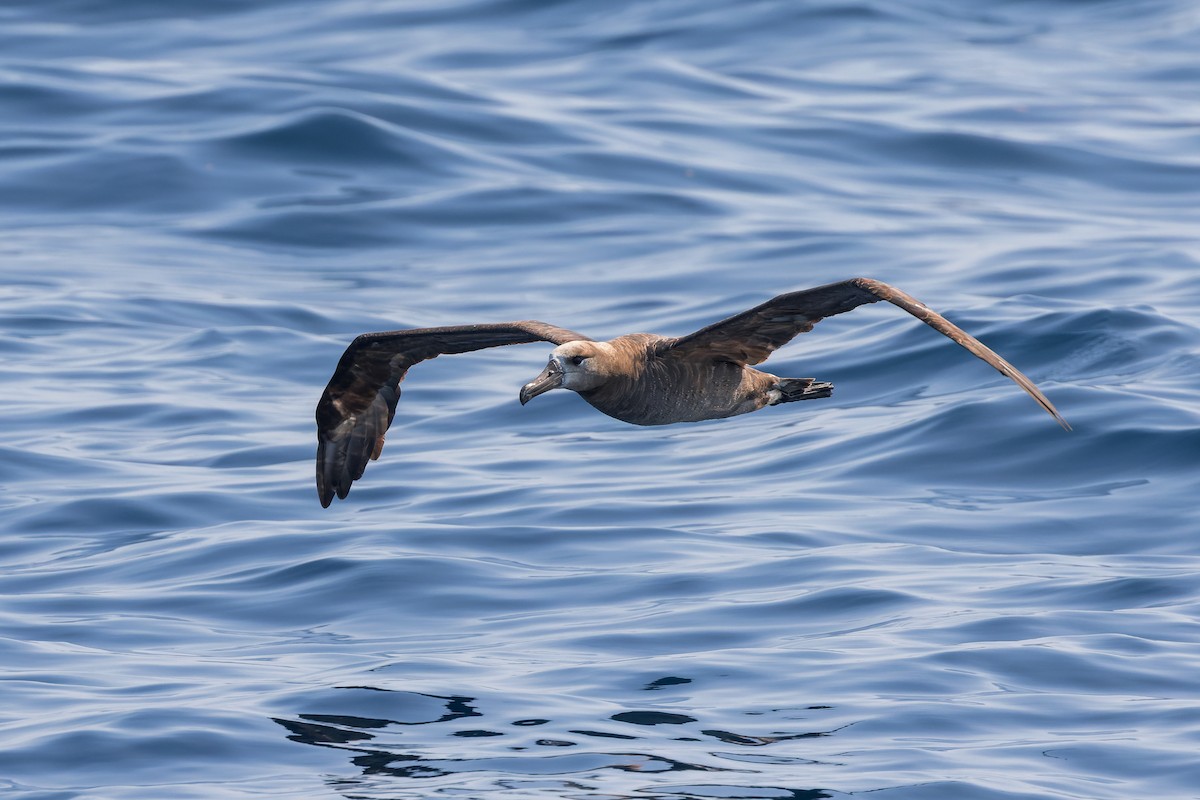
638, 378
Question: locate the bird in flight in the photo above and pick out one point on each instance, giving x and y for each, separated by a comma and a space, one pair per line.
640, 378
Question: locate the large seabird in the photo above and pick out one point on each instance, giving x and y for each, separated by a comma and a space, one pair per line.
639, 378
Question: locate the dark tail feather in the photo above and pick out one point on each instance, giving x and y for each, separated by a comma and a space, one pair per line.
801, 389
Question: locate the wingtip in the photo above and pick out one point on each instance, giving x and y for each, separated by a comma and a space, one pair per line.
324, 493
1048, 406
326, 478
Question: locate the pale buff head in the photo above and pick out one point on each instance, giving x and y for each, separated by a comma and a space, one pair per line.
578, 366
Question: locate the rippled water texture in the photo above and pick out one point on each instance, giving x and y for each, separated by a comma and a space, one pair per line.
919, 588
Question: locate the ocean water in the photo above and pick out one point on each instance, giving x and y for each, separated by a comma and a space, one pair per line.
919, 588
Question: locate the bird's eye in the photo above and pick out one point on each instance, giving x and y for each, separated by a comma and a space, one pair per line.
577, 360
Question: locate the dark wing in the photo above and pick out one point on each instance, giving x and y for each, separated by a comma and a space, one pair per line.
360, 399
750, 337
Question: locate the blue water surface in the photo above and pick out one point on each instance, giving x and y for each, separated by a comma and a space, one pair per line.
919, 588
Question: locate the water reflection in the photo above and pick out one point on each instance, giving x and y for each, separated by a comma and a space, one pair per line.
465, 756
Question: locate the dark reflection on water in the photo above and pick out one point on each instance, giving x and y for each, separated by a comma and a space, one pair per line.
652, 718
385, 754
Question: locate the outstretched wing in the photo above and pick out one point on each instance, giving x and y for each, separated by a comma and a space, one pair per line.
360, 399
751, 336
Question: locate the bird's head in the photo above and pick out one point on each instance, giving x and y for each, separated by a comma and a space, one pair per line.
578, 366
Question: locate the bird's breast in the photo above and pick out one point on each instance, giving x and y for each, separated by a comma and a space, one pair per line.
667, 391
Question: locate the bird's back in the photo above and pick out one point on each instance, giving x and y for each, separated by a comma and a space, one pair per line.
651, 387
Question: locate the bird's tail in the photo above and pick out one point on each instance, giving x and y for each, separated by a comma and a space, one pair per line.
791, 389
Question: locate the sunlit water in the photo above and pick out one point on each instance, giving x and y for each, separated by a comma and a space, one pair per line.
920, 588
